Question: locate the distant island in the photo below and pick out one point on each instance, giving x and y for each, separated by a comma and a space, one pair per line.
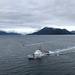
52, 31
5, 33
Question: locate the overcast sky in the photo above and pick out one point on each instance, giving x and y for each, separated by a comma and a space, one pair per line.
30, 15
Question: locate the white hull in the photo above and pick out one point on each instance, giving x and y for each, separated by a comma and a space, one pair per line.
38, 54
33, 57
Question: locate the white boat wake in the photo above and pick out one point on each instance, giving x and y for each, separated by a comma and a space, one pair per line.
60, 51
39, 43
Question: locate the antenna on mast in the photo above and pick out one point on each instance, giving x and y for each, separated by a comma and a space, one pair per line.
40, 47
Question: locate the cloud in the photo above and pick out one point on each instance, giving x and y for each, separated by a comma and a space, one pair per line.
36, 13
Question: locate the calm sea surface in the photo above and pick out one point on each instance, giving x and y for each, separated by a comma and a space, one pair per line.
14, 51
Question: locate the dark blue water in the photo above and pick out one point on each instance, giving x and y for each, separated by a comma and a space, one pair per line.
14, 51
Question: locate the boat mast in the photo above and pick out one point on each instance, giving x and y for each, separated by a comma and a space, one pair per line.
40, 47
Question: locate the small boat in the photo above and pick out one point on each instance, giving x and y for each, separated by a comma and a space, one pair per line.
38, 54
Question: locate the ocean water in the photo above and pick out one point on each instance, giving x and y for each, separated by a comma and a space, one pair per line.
14, 51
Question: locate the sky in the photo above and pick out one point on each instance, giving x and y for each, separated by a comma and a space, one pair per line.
27, 16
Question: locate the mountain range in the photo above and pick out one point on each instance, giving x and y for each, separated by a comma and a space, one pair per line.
53, 31
5, 33
44, 31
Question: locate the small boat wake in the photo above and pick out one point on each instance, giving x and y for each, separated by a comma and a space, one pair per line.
39, 43
63, 50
